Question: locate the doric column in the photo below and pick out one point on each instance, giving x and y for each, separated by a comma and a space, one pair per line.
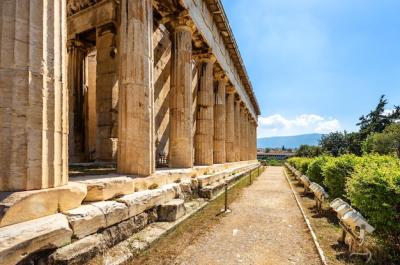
204, 137
220, 120
107, 92
238, 129
181, 117
33, 108
76, 138
243, 133
136, 119
249, 137
230, 125
254, 150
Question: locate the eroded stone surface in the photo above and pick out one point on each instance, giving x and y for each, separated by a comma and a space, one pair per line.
105, 187
17, 207
140, 201
19, 240
86, 220
113, 211
171, 210
84, 250
119, 232
79, 252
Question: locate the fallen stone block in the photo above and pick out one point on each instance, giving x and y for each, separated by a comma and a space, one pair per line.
171, 210
20, 240
144, 200
86, 220
105, 187
17, 207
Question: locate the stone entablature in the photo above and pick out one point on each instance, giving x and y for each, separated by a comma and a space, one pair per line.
75, 6
228, 56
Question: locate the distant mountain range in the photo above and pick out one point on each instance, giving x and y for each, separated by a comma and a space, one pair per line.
289, 141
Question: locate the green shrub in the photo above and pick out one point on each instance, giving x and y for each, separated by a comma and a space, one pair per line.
314, 171
374, 189
300, 163
336, 172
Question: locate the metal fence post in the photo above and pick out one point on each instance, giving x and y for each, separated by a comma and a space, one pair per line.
226, 197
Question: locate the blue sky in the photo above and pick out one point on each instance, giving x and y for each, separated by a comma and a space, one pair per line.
318, 65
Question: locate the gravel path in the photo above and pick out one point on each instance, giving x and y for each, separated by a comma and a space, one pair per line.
265, 227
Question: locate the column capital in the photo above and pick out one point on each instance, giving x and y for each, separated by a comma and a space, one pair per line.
237, 98
204, 56
230, 89
180, 22
74, 43
221, 76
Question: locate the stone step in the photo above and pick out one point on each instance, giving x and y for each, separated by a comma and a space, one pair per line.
18, 241
171, 210
106, 187
85, 249
212, 190
210, 179
18, 207
90, 218
138, 202
125, 251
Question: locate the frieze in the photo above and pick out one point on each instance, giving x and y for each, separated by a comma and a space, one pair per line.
74, 6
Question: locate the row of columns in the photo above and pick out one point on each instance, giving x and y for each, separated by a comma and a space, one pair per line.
34, 107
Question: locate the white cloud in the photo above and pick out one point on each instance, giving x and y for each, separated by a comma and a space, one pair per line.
278, 125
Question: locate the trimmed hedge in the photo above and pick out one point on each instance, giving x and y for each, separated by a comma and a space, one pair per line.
336, 172
314, 171
300, 163
374, 189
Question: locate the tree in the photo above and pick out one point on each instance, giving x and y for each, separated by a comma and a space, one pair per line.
387, 142
334, 143
376, 121
308, 151
354, 143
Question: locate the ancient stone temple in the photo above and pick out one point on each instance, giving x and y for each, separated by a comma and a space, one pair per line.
153, 90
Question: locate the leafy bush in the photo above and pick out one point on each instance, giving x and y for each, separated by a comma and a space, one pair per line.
300, 163
314, 171
374, 189
385, 143
272, 162
336, 172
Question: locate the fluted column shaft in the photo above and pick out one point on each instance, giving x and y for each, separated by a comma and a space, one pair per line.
181, 119
230, 126
244, 134
136, 119
219, 121
204, 137
107, 92
76, 137
249, 137
238, 130
33, 108
254, 149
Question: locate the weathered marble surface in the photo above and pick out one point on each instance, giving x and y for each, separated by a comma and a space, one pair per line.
17, 207
19, 240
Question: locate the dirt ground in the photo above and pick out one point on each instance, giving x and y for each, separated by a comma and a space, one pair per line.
265, 227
